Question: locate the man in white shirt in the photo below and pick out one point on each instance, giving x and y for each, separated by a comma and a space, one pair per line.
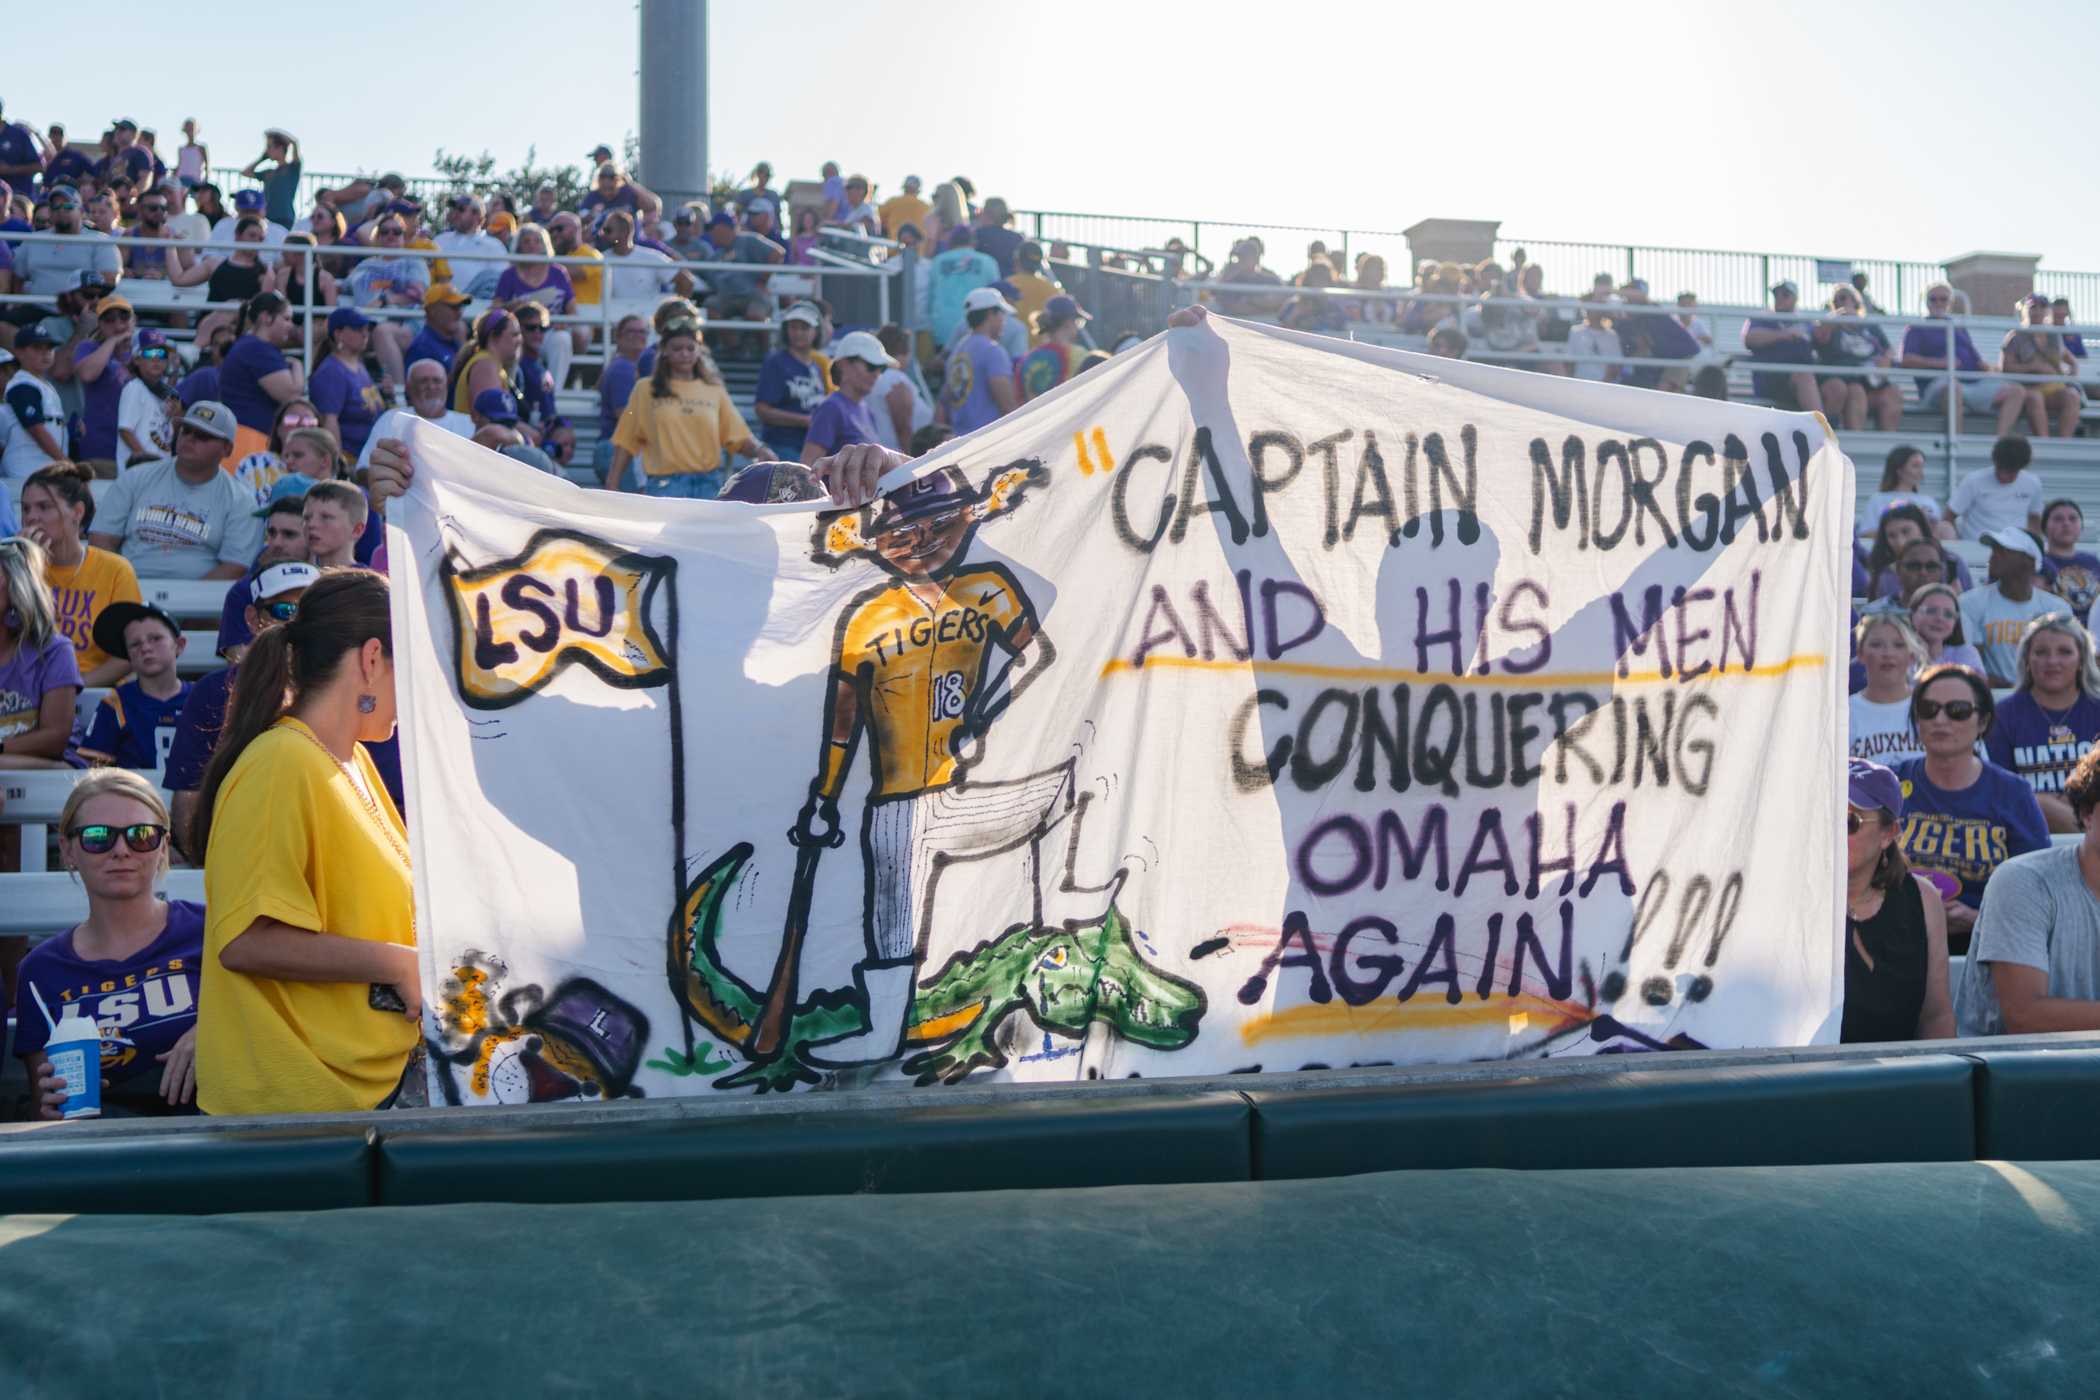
245, 203
2006, 496
32, 415
183, 222
477, 255
426, 397
633, 273
1995, 616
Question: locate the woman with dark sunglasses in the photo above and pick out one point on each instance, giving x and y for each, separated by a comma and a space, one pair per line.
133, 963
1895, 927
1964, 815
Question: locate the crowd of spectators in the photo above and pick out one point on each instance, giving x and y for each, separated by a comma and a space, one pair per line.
1975, 706
1837, 362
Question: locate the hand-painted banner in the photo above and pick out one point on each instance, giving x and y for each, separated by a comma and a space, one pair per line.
1256, 701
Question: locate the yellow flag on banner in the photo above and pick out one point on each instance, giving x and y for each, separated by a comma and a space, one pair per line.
568, 597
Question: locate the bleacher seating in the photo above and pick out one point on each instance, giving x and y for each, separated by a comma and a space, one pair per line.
39, 903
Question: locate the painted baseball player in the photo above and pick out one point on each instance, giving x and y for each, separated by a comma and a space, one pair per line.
923, 664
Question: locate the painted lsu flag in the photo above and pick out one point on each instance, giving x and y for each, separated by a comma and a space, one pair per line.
1254, 701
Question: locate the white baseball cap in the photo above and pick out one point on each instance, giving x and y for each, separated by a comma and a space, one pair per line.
283, 578
2012, 537
861, 345
805, 312
986, 299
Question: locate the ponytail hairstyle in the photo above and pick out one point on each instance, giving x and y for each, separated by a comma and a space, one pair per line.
1890, 868
25, 597
703, 369
344, 609
487, 327
261, 305
69, 482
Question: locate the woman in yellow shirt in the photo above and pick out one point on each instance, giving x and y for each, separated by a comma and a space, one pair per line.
682, 426
311, 994
56, 512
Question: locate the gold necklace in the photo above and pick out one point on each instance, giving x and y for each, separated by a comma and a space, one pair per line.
386, 828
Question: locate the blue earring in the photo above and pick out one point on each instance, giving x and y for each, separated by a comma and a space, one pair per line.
366, 704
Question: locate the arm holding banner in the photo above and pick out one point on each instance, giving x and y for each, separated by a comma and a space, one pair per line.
850, 474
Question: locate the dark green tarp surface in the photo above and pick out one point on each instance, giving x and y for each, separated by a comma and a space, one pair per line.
1956, 1278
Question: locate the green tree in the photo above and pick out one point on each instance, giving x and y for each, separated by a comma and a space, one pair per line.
478, 175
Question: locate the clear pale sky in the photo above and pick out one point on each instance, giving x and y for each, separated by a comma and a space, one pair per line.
1781, 125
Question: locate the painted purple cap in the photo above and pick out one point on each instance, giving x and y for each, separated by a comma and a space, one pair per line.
764, 483
1874, 788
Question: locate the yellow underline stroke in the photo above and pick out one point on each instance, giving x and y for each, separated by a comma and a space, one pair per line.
1340, 1018
1117, 665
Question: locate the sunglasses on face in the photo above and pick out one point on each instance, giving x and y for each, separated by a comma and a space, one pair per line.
1853, 822
390, 233
1956, 710
301, 420
98, 840
1920, 566
282, 610
153, 354
60, 206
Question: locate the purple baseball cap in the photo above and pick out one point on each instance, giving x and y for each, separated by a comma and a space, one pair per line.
348, 318
1873, 788
151, 339
765, 483
496, 405
249, 201
944, 490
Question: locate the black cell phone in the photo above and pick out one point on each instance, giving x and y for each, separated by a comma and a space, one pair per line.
384, 998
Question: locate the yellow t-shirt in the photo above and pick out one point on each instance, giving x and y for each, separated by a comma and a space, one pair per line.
587, 282
1035, 290
440, 270
81, 592
922, 662
901, 209
292, 840
682, 434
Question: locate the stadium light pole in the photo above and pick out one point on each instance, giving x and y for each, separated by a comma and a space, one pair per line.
674, 99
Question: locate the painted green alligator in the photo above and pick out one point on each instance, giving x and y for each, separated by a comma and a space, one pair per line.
1066, 978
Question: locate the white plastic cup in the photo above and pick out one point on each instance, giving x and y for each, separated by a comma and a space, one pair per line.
75, 1053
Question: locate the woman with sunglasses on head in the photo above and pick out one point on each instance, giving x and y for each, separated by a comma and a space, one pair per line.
261, 470
1964, 816
1895, 925
132, 964
1936, 617
1890, 653
2051, 719
311, 994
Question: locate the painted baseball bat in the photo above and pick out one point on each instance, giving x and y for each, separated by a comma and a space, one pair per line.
780, 997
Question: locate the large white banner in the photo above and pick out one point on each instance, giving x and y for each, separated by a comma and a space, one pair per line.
1256, 701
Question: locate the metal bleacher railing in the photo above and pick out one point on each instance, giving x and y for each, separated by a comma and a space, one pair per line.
863, 291
1714, 274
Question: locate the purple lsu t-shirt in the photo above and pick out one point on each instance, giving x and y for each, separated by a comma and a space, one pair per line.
249, 361
351, 395
840, 422
972, 367
25, 680
142, 1004
2042, 746
1970, 832
99, 399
